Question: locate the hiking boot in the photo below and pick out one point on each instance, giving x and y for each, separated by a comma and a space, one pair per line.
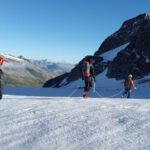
85, 95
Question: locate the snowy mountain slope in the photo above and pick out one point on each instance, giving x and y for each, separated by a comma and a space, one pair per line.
111, 54
104, 87
11, 58
20, 71
24, 74
55, 67
48, 123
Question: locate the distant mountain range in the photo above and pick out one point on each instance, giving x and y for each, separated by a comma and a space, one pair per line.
20, 71
125, 51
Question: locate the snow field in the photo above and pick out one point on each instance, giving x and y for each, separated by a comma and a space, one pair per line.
48, 123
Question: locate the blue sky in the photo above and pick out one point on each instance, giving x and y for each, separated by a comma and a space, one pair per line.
62, 30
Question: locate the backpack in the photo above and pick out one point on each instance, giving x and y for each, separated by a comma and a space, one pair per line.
127, 83
86, 69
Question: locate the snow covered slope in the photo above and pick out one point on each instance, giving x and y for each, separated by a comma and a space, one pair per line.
105, 87
111, 54
11, 58
47, 123
20, 71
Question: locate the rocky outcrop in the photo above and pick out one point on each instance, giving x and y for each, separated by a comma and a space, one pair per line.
126, 33
135, 58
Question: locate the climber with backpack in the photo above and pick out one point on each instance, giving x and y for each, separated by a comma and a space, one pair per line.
88, 76
128, 84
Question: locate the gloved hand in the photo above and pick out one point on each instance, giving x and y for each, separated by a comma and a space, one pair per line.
135, 88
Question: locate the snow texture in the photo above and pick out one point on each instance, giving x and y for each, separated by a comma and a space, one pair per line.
111, 54
48, 123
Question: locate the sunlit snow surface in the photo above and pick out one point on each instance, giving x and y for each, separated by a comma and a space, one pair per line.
48, 123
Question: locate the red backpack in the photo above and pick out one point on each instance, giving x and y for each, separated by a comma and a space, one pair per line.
86, 69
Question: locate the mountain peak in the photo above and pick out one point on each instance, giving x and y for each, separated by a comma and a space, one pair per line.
144, 16
128, 30
125, 51
137, 21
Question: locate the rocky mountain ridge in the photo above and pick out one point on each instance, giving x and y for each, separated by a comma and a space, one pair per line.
134, 58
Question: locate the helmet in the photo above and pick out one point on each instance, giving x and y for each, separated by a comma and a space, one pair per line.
130, 76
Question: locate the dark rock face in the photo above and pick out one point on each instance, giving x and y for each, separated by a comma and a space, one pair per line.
125, 34
134, 59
